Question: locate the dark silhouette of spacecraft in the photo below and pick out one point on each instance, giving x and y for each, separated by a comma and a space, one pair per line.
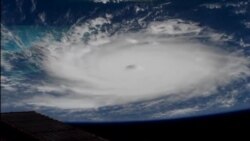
32, 126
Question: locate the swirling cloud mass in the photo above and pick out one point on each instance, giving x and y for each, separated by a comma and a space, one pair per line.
124, 60
162, 60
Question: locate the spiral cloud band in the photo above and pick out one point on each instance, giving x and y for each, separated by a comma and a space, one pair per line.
135, 67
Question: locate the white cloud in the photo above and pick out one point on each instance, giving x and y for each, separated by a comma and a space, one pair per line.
42, 17
103, 1
107, 1
174, 27
7, 84
212, 6
247, 24
5, 64
237, 4
177, 112
135, 67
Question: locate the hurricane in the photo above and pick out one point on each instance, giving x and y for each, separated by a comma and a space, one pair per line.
117, 60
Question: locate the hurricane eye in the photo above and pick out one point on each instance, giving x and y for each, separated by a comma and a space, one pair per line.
131, 67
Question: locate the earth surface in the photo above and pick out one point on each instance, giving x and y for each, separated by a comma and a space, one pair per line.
125, 60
